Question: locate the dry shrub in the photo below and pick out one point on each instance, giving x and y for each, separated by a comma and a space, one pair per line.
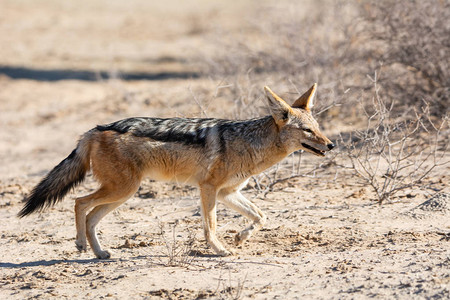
411, 39
229, 290
392, 154
178, 252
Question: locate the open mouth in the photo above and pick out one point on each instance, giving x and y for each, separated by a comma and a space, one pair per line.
314, 150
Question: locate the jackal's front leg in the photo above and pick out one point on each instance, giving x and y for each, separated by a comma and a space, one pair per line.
235, 200
208, 205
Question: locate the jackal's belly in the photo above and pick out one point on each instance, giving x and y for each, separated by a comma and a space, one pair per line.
171, 176
173, 166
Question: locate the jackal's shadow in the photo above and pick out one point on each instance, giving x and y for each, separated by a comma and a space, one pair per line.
43, 263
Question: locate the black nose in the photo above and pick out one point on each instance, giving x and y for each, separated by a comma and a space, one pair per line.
330, 146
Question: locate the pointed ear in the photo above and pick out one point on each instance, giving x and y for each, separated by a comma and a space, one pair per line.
279, 109
306, 101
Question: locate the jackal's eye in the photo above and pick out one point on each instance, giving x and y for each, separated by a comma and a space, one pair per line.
307, 130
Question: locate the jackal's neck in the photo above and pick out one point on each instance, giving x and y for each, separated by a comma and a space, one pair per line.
266, 147
262, 132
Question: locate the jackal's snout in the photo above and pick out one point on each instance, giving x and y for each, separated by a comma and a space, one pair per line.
318, 145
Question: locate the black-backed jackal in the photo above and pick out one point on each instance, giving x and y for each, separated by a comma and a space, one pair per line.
218, 156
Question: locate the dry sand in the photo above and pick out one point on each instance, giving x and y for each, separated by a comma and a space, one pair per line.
325, 237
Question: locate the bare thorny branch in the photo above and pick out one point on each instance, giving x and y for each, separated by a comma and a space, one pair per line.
178, 252
391, 155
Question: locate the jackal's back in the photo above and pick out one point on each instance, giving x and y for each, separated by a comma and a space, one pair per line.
180, 130
188, 131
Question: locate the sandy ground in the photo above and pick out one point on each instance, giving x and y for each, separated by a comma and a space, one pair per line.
325, 237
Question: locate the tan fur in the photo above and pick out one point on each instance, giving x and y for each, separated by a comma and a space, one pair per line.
220, 166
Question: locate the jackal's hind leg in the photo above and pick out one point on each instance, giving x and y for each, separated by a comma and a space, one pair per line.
101, 202
82, 205
236, 201
91, 222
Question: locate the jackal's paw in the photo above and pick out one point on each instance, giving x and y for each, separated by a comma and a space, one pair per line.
81, 246
224, 253
103, 255
241, 237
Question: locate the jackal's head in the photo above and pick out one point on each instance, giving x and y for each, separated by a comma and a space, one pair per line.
297, 127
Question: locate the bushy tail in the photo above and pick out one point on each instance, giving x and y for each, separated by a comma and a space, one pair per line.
66, 175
